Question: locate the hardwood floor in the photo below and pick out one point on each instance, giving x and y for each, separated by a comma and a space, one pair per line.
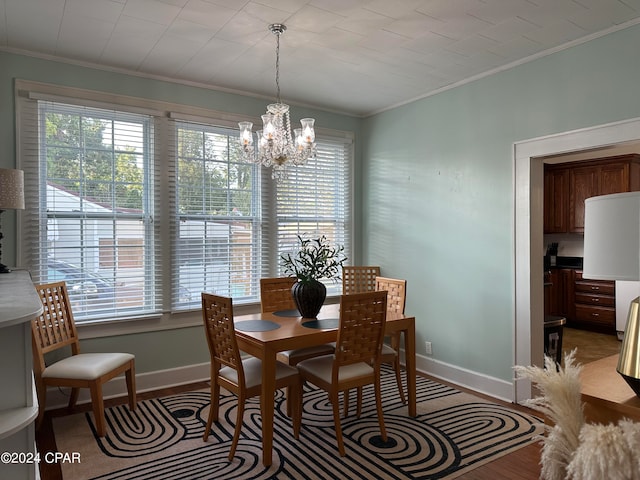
523, 464
591, 346
45, 440
520, 465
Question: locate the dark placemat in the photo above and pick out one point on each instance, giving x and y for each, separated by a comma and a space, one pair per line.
322, 323
287, 313
256, 325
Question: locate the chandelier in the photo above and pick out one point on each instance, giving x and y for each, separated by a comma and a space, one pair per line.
276, 146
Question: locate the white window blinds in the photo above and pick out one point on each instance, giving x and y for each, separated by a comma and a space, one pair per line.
315, 200
216, 217
92, 180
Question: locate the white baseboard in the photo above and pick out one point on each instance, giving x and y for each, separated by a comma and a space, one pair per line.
145, 382
478, 382
500, 389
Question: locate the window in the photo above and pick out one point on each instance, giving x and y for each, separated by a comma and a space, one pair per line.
217, 214
94, 216
139, 211
314, 200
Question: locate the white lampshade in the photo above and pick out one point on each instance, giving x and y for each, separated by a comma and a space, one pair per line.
612, 252
612, 237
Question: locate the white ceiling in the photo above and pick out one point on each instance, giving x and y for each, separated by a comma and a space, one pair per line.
351, 56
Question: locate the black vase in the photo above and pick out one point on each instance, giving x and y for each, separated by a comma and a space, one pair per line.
309, 297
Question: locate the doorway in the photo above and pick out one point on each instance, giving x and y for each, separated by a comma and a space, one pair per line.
528, 237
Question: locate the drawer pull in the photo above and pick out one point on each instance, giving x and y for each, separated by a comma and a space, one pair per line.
595, 288
595, 314
595, 300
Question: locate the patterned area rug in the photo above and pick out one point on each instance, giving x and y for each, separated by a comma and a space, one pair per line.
453, 433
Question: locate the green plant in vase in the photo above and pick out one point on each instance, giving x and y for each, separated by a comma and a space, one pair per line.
315, 259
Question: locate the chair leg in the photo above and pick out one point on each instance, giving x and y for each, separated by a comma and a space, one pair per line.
359, 403
73, 398
213, 408
336, 419
131, 386
395, 341
395, 344
396, 367
345, 399
296, 406
383, 430
98, 408
236, 434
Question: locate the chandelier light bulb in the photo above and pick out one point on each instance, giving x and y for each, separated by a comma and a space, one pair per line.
297, 133
268, 128
246, 137
307, 130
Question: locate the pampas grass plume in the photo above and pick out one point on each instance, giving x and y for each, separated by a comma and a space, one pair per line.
561, 403
572, 449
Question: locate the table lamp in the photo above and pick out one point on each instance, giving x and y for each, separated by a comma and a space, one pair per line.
612, 252
11, 198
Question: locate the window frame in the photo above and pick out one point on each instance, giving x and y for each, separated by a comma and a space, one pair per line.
97, 221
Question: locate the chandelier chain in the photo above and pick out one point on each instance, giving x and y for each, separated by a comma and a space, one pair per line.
278, 66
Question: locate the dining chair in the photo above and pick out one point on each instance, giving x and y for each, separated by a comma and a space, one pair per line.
356, 361
358, 278
275, 295
396, 298
241, 376
55, 329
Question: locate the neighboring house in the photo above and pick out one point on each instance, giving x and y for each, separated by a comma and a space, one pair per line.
119, 259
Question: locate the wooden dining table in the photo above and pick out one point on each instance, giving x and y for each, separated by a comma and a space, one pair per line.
263, 335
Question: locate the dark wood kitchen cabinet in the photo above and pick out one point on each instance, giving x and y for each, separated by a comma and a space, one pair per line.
568, 185
586, 304
583, 183
595, 304
556, 200
559, 292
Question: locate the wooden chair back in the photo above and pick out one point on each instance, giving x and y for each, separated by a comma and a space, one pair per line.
397, 293
358, 279
361, 329
55, 328
275, 294
217, 315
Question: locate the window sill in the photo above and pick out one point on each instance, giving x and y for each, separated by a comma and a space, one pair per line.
165, 321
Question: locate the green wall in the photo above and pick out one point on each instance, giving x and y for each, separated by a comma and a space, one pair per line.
434, 186
438, 181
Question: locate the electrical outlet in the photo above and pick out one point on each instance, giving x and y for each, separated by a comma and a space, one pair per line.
427, 346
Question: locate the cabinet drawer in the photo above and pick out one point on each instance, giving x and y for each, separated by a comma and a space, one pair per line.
599, 315
595, 299
607, 288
